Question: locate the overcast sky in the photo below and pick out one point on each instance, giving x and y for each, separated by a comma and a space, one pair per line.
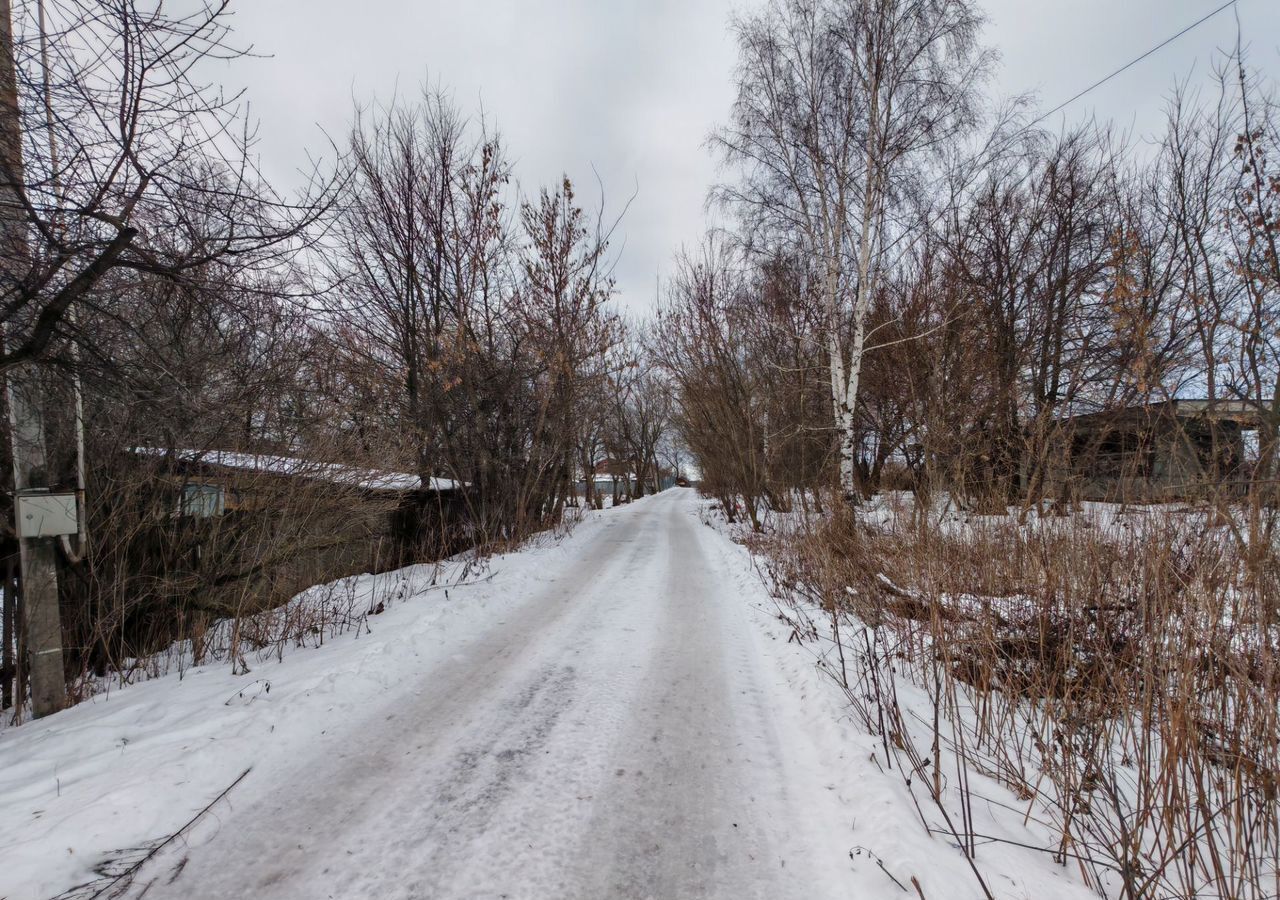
632, 87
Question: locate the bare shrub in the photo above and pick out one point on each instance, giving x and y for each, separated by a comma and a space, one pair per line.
1120, 676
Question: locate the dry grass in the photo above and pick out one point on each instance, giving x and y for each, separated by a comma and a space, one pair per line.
317, 615
1122, 680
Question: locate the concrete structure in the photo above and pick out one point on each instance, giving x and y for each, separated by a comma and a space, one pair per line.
1176, 449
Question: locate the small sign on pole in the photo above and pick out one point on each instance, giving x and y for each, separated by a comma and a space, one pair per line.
46, 514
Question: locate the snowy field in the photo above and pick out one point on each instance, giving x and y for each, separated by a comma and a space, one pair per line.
617, 714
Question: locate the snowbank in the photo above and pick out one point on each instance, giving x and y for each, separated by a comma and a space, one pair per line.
132, 765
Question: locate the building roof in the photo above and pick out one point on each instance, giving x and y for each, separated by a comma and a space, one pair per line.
333, 473
1243, 413
610, 466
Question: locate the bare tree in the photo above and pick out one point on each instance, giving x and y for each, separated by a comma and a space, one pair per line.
129, 161
718, 393
839, 102
487, 325
641, 414
566, 289
116, 158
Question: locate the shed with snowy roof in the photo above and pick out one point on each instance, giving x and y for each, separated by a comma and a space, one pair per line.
403, 517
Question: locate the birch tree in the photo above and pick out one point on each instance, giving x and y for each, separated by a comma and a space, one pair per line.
839, 104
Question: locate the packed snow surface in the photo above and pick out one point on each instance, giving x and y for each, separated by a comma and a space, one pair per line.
617, 714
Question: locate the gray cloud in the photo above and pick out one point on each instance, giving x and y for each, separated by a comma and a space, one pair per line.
633, 88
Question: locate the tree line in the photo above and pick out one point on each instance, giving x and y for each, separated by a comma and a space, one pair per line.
920, 286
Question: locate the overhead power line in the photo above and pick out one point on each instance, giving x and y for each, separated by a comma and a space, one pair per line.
1133, 62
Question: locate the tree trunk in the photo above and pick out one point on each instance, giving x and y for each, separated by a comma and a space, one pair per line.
26, 411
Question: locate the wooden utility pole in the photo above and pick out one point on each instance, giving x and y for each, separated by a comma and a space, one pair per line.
26, 405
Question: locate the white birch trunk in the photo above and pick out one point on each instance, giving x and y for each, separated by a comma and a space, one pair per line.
845, 381
842, 405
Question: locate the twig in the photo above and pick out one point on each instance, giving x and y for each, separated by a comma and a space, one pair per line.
459, 583
130, 872
879, 862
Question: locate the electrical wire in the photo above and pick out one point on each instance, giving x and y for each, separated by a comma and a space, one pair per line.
1133, 62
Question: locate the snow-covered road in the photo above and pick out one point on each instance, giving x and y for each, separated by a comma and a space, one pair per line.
616, 714
613, 733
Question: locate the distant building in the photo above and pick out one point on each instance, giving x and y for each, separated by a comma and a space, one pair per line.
609, 478
620, 468
1176, 449
617, 478
388, 518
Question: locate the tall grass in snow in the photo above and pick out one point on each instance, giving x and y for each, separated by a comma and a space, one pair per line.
1119, 676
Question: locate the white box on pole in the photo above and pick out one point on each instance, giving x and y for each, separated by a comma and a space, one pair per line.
47, 514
